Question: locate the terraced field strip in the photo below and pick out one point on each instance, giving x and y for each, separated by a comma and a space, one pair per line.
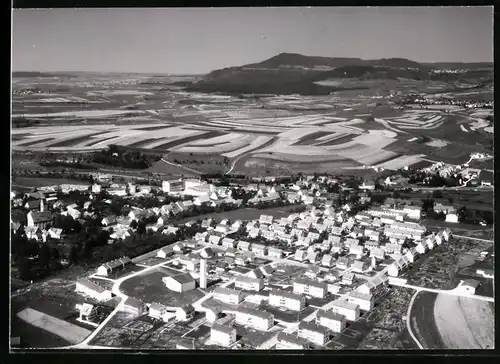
72, 333
184, 140
82, 113
32, 141
153, 128
258, 142
217, 140
338, 139
313, 138
68, 139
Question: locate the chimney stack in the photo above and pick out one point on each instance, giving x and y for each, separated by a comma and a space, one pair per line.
203, 273
41, 205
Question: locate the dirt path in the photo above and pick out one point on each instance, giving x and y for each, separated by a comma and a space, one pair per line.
464, 323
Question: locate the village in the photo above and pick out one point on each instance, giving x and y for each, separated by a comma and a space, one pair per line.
257, 282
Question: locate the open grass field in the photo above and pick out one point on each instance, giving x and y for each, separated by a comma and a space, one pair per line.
150, 288
464, 323
422, 321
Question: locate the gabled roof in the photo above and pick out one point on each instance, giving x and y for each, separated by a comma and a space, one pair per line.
292, 339
310, 282
330, 315
227, 291
42, 216
228, 330
310, 326
90, 285
285, 294
256, 313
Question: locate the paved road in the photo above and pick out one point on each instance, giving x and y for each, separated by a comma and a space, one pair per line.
471, 238
453, 292
408, 321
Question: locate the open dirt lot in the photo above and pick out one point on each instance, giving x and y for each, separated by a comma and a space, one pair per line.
70, 332
464, 323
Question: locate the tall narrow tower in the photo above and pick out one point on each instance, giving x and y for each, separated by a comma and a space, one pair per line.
203, 273
42, 207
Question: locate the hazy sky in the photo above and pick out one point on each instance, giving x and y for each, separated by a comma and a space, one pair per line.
181, 40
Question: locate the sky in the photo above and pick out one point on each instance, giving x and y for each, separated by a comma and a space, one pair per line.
198, 40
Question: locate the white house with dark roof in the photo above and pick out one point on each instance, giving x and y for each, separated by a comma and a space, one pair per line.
157, 311
314, 333
184, 313
291, 342
275, 253
134, 306
40, 219
222, 335
93, 290
351, 311
113, 266
343, 263
310, 287
365, 301
255, 319
228, 243
249, 283
228, 295
334, 322
288, 300
244, 245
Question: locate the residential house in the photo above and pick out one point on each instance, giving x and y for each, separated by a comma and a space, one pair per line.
291, 342
360, 266
222, 335
41, 219
310, 287
228, 295
249, 283
108, 268
327, 260
134, 306
334, 322
93, 290
158, 311
350, 311
275, 253
364, 301
184, 313
255, 319
343, 263
312, 332
288, 300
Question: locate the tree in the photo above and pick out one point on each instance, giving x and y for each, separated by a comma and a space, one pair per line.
44, 256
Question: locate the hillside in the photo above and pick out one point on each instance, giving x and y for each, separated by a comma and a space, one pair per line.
289, 73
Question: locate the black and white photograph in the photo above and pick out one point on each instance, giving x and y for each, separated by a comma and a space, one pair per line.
252, 178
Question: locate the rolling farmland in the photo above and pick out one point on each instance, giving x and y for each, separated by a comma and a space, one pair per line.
341, 131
